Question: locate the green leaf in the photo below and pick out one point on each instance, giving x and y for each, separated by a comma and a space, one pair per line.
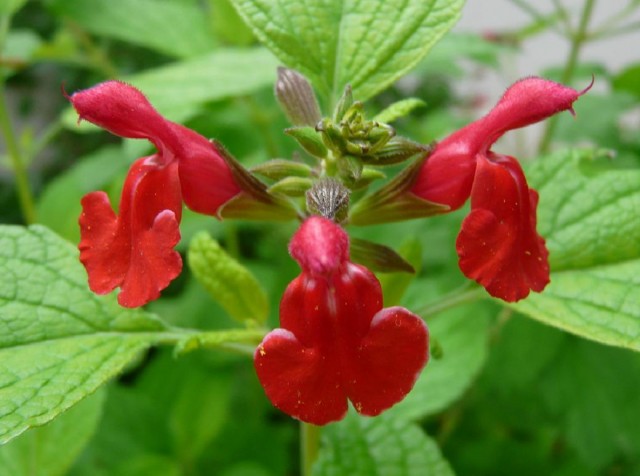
179, 89
597, 408
599, 303
200, 409
228, 282
58, 342
462, 333
368, 44
175, 28
228, 25
381, 446
20, 44
628, 80
587, 220
8, 7
37, 452
592, 227
395, 285
398, 109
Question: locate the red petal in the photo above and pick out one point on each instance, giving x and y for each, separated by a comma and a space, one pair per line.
103, 247
135, 249
447, 175
123, 110
207, 181
498, 244
388, 361
153, 263
298, 380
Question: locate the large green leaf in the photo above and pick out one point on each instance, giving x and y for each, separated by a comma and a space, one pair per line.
58, 341
590, 218
175, 28
51, 449
381, 446
594, 390
366, 43
179, 89
600, 303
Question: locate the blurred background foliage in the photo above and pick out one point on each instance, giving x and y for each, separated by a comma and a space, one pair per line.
509, 396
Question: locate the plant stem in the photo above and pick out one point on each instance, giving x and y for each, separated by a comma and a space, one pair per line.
309, 446
577, 40
25, 197
451, 300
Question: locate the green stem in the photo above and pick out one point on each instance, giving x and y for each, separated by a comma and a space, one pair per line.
454, 299
309, 446
25, 196
578, 38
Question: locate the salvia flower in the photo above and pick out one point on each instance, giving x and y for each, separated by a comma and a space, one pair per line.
133, 250
498, 245
336, 342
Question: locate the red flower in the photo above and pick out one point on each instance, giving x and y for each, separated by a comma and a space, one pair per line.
498, 245
134, 249
336, 342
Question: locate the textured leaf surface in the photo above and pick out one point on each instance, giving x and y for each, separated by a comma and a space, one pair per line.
591, 221
58, 341
368, 44
600, 303
381, 446
588, 219
462, 333
51, 449
229, 282
174, 28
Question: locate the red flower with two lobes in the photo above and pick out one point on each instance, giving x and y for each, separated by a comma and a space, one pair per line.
498, 245
133, 250
336, 342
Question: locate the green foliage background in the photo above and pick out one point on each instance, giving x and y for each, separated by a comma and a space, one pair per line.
549, 385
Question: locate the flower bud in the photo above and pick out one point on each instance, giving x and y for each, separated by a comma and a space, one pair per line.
296, 97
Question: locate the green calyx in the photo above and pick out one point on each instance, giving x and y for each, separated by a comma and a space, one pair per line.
349, 149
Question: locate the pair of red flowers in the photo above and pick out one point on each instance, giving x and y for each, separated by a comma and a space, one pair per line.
336, 342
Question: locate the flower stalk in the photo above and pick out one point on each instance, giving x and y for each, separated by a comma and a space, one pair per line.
309, 446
